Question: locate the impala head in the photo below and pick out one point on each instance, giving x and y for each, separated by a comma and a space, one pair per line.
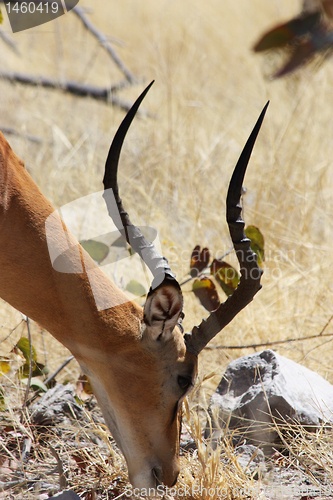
157, 366
144, 385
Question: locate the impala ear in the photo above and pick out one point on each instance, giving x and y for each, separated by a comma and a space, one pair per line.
162, 310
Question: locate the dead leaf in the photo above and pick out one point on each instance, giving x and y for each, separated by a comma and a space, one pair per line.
199, 260
83, 388
205, 290
81, 462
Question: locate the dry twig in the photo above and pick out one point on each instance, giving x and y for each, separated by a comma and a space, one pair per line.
62, 477
58, 370
13, 131
267, 344
101, 37
80, 89
8, 40
11, 331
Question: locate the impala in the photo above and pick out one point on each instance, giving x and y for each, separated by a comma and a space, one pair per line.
140, 364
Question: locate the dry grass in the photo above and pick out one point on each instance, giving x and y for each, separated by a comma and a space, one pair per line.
208, 93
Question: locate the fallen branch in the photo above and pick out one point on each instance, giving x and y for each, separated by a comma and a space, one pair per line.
101, 37
267, 344
8, 40
13, 131
75, 88
62, 477
4, 486
72, 87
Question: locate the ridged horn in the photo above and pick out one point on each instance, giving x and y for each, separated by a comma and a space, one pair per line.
251, 273
157, 264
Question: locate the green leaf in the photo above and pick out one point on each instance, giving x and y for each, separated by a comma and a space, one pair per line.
257, 242
24, 371
4, 367
226, 276
120, 242
41, 370
38, 370
205, 290
136, 288
96, 249
23, 345
35, 383
131, 252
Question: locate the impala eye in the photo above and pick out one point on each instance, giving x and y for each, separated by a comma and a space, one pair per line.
184, 382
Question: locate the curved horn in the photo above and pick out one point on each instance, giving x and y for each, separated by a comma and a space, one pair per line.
251, 273
157, 264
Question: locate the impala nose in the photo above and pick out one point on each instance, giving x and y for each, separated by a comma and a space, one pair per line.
173, 484
158, 475
162, 479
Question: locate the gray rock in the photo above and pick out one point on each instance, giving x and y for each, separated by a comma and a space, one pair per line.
55, 406
251, 459
260, 386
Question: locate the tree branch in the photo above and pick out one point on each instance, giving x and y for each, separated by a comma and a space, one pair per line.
13, 131
101, 37
80, 89
8, 40
58, 370
267, 344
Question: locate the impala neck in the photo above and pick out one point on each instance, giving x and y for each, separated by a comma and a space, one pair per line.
61, 302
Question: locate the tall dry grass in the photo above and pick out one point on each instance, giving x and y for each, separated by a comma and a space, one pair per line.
175, 169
